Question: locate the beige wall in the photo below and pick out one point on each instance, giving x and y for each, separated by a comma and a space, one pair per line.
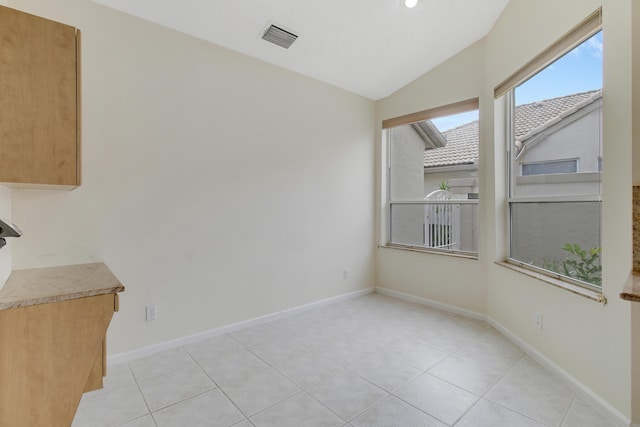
452, 281
636, 91
636, 181
216, 186
586, 339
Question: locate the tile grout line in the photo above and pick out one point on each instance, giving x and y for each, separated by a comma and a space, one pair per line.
218, 386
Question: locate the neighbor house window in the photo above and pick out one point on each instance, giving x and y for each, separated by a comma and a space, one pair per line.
433, 179
554, 111
550, 167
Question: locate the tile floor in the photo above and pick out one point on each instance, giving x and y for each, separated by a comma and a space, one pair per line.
370, 361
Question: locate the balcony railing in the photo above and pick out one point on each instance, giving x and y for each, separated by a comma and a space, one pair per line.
444, 225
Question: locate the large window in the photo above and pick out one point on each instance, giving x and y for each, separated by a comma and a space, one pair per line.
433, 179
555, 144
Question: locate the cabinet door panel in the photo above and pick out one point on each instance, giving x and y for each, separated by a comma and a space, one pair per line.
38, 93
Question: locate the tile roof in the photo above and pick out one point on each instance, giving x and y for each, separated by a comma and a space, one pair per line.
529, 117
461, 149
463, 141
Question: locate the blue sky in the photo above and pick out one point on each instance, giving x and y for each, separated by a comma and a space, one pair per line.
580, 70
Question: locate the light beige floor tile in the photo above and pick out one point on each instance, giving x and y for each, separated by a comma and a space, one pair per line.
527, 370
437, 398
300, 410
416, 354
260, 391
385, 340
385, 371
211, 409
534, 401
393, 412
232, 366
491, 351
165, 390
160, 363
346, 352
377, 340
278, 350
146, 421
309, 369
347, 394
467, 374
447, 339
487, 414
582, 414
111, 409
316, 337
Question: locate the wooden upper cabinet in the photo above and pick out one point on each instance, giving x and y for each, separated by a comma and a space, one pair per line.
39, 101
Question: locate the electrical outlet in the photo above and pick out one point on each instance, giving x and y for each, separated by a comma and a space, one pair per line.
539, 321
345, 274
151, 312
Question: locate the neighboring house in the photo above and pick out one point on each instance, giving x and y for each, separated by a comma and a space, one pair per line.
557, 153
554, 137
557, 149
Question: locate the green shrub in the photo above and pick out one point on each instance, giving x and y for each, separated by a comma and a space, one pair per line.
583, 264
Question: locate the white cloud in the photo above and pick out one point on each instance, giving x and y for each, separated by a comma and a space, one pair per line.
595, 47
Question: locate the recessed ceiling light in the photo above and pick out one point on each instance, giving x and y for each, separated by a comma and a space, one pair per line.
410, 3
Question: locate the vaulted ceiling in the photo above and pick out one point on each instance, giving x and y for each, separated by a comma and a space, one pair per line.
369, 47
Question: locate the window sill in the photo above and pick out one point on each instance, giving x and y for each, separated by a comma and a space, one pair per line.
575, 289
428, 251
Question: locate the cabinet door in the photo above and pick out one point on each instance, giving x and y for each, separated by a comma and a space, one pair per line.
38, 101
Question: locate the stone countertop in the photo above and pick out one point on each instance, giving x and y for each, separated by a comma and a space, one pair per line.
54, 284
631, 291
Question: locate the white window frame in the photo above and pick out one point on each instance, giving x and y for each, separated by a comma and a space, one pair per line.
580, 33
446, 110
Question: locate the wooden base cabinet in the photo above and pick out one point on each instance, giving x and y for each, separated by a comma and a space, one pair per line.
49, 355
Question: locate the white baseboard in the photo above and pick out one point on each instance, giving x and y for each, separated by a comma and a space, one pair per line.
431, 303
178, 342
585, 392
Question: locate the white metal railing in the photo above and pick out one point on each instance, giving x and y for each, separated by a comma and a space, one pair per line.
439, 225
442, 226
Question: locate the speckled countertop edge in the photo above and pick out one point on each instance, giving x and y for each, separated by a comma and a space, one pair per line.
631, 291
55, 284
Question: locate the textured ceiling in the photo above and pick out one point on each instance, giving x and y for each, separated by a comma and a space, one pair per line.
369, 47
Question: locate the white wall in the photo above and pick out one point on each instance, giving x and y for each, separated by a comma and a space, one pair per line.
591, 342
5, 253
216, 186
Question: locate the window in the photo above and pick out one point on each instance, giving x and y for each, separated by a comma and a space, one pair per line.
554, 110
550, 167
433, 179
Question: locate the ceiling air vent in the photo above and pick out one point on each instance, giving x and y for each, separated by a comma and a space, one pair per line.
279, 36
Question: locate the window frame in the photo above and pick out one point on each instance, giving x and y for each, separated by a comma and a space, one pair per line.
583, 31
467, 105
